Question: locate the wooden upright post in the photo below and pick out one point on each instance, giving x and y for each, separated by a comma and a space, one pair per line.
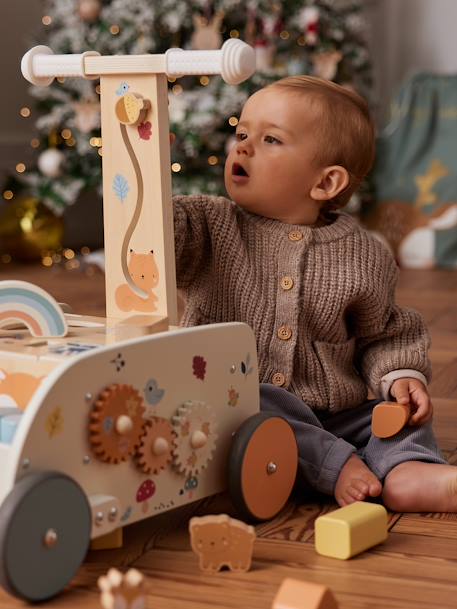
138, 216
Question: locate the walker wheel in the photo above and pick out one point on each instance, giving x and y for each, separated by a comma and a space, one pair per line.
45, 525
263, 465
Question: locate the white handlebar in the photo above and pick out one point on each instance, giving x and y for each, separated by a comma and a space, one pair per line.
235, 61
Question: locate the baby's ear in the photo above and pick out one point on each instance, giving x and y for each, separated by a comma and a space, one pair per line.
332, 181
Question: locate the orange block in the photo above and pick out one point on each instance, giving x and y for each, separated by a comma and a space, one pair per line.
296, 594
389, 418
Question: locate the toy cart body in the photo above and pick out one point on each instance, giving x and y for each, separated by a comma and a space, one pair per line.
126, 417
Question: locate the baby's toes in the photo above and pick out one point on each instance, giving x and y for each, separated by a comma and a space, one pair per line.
361, 486
356, 492
375, 488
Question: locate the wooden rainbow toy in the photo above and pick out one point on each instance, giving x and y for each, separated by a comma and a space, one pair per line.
107, 421
25, 303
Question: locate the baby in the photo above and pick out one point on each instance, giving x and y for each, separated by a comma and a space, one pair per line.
318, 292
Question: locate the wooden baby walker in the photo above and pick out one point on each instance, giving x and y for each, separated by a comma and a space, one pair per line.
107, 421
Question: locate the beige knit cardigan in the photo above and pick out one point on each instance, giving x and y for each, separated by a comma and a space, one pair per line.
319, 300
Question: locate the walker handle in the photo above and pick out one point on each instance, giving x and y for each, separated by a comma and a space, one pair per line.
235, 61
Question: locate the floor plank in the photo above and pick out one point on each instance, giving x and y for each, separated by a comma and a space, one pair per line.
416, 566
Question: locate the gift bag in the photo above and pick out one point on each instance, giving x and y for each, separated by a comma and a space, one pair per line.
415, 174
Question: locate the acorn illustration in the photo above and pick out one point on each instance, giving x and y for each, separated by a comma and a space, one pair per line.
131, 109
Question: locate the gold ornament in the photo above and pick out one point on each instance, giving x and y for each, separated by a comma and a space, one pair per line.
28, 229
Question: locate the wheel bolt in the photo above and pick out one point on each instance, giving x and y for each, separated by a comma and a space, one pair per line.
50, 538
271, 468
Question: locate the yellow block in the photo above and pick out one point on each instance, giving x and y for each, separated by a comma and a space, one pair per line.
295, 594
110, 541
350, 530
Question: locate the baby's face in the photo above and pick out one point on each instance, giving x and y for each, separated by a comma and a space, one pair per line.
271, 169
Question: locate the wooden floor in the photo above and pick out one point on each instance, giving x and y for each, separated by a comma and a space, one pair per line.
416, 566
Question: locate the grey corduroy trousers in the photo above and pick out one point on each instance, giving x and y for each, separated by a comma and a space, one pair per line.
326, 440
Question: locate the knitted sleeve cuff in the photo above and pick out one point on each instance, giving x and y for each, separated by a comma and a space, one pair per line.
388, 379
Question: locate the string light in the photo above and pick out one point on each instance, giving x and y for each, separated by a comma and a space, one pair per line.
233, 121
85, 250
72, 264
6, 258
95, 142
46, 261
8, 195
100, 151
98, 89
301, 41
46, 20
284, 35
176, 167
70, 142
60, 79
171, 79
35, 142
115, 29
177, 89
204, 80
20, 167
25, 112
234, 34
69, 253
66, 134
213, 160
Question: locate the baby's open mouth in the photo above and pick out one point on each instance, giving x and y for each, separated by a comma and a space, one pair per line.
238, 170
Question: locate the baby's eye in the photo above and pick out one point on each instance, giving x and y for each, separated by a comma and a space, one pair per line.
241, 136
270, 139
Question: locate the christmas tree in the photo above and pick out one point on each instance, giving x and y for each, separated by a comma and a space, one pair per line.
321, 37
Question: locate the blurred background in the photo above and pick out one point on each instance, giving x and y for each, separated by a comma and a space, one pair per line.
401, 55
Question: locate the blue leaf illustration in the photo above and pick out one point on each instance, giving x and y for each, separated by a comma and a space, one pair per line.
120, 187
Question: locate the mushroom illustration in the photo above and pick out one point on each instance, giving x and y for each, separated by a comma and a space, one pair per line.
145, 492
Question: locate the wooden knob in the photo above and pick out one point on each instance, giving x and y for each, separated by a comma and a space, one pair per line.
198, 439
124, 424
160, 447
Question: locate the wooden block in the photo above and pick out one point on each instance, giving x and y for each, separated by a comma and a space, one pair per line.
350, 530
139, 325
389, 418
110, 541
295, 594
221, 541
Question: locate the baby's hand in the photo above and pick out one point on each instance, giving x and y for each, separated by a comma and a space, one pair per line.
414, 392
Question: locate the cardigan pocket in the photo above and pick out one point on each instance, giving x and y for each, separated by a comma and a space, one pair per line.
345, 387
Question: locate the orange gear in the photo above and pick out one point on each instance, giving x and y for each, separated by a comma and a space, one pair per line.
155, 450
116, 423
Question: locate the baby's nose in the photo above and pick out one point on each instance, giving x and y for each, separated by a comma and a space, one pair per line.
244, 147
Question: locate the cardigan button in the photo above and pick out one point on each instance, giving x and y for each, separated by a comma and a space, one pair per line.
295, 235
278, 379
287, 283
284, 332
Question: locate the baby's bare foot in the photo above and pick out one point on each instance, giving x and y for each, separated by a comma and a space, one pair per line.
356, 482
415, 486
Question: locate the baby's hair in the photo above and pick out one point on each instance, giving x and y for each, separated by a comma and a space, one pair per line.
345, 127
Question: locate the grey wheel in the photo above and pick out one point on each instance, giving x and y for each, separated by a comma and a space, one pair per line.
263, 465
45, 525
